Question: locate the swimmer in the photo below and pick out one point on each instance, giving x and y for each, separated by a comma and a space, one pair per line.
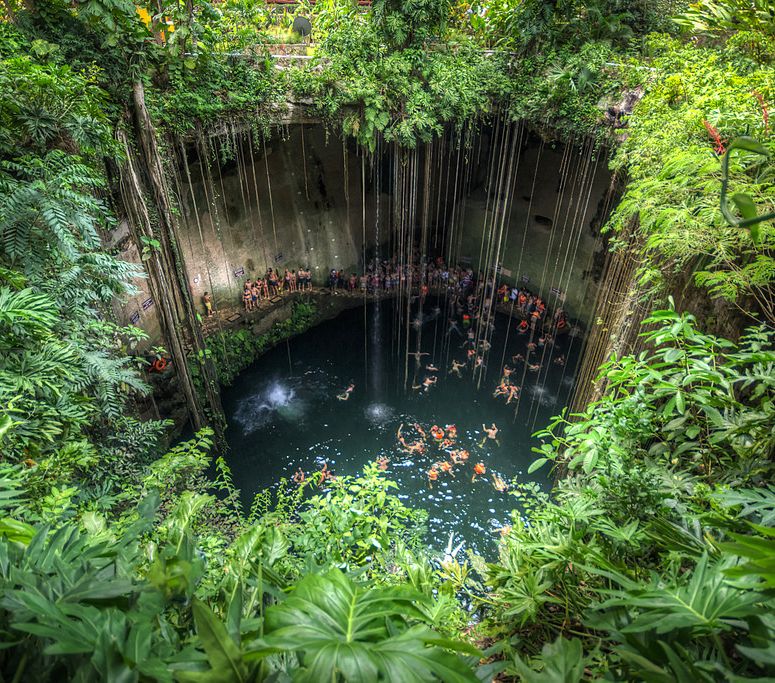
433, 475
446, 443
298, 476
420, 430
512, 393
498, 483
560, 360
534, 367
451, 431
463, 455
437, 432
382, 463
426, 384
456, 368
486, 346
490, 433
479, 362
479, 469
447, 467
345, 395
431, 368
501, 390
531, 346
507, 371
325, 473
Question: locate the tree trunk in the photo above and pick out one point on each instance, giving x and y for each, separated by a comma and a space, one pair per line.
172, 263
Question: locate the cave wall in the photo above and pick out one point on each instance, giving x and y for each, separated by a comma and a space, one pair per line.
552, 240
308, 198
297, 201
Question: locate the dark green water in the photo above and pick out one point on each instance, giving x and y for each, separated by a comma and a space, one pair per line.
283, 414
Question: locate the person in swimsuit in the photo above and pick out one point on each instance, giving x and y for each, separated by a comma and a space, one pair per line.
513, 392
426, 384
345, 395
298, 476
490, 433
501, 390
208, 302
247, 299
534, 367
479, 469
455, 369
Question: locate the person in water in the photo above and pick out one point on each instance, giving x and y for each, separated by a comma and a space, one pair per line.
431, 368
299, 476
413, 446
455, 369
534, 367
490, 433
382, 463
447, 467
498, 483
433, 475
513, 392
451, 431
479, 469
502, 389
345, 395
426, 384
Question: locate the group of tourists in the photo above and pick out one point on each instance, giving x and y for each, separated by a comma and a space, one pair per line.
443, 441
273, 283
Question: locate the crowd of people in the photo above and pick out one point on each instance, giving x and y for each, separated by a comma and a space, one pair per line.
273, 283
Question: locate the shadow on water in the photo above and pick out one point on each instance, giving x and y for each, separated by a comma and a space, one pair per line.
282, 418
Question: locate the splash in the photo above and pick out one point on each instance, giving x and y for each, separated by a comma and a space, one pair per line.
274, 401
541, 395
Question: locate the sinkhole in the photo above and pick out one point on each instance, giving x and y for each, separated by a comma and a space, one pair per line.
493, 200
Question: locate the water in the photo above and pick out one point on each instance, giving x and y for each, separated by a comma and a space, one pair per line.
282, 418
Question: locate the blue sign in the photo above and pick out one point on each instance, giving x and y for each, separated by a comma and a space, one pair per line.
239, 272
134, 318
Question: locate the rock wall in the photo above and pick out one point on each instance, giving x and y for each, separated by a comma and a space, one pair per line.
308, 198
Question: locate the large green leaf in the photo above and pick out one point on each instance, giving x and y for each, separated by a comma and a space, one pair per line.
343, 631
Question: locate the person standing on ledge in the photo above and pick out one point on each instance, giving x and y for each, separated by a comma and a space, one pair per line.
208, 302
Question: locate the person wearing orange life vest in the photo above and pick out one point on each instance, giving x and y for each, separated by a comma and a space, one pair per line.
523, 326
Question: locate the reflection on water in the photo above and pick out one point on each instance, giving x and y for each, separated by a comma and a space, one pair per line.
279, 422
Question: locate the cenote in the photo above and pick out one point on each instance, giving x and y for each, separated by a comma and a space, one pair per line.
284, 413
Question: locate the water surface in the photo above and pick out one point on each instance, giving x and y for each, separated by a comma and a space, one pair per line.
283, 413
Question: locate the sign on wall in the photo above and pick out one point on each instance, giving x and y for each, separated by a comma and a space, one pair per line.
525, 278
239, 272
147, 303
278, 257
134, 318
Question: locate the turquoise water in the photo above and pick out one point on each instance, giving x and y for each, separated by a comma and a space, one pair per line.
283, 414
